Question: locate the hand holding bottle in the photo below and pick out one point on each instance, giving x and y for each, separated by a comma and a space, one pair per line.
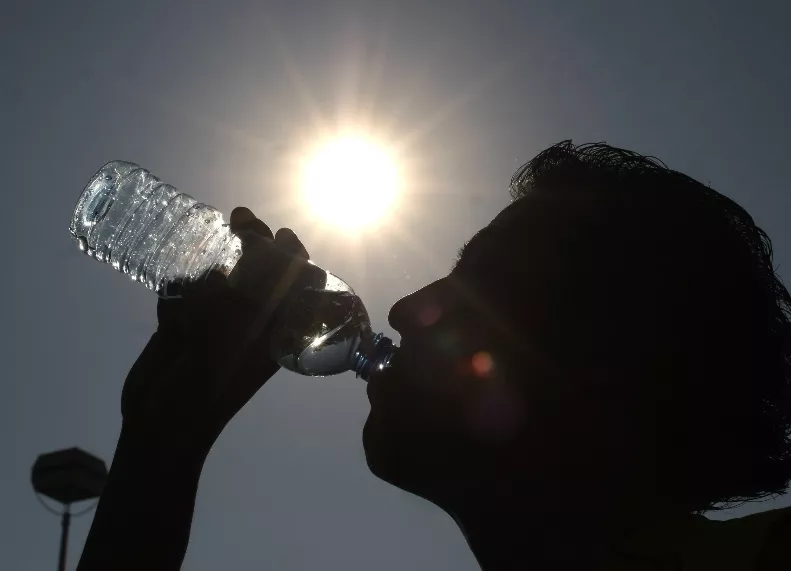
166, 240
208, 357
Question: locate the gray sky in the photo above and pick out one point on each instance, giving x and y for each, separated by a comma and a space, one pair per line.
214, 97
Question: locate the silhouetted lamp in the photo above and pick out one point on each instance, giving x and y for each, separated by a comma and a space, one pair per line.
68, 476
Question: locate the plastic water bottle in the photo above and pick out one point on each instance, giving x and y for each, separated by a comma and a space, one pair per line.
165, 239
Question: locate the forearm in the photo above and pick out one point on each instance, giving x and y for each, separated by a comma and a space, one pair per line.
144, 515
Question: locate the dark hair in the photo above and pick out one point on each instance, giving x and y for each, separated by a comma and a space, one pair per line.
667, 288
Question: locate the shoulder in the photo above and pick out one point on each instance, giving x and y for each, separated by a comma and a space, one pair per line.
776, 549
758, 542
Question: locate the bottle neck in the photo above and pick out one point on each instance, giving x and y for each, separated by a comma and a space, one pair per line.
372, 357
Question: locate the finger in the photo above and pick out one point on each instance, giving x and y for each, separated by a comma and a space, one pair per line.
241, 216
243, 219
287, 240
259, 227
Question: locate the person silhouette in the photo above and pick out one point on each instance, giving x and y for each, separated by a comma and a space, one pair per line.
608, 359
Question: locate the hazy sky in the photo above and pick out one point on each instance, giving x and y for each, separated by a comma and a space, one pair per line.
216, 98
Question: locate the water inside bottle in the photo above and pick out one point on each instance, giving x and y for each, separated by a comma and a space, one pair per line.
320, 330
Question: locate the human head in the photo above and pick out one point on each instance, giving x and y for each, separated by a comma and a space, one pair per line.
619, 320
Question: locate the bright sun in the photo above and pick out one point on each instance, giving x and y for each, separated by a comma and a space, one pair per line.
350, 181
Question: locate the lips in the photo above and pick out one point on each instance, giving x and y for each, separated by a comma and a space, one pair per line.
386, 377
373, 390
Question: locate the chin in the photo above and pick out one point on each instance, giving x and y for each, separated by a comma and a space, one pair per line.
375, 450
385, 458
398, 464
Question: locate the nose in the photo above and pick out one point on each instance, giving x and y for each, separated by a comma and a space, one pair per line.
420, 309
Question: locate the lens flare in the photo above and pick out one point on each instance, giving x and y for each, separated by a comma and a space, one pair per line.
429, 315
482, 364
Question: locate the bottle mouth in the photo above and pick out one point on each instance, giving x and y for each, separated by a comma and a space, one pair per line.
369, 361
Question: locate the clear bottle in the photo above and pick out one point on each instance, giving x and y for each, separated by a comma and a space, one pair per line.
144, 228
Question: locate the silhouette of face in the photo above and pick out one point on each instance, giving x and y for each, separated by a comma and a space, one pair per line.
448, 414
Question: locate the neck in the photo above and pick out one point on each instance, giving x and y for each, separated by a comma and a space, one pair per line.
551, 532
523, 541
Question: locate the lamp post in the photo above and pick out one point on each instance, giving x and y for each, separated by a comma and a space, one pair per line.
68, 476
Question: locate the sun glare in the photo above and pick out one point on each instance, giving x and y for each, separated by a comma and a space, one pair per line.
350, 181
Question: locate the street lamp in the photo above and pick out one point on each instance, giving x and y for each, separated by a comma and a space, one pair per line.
68, 476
